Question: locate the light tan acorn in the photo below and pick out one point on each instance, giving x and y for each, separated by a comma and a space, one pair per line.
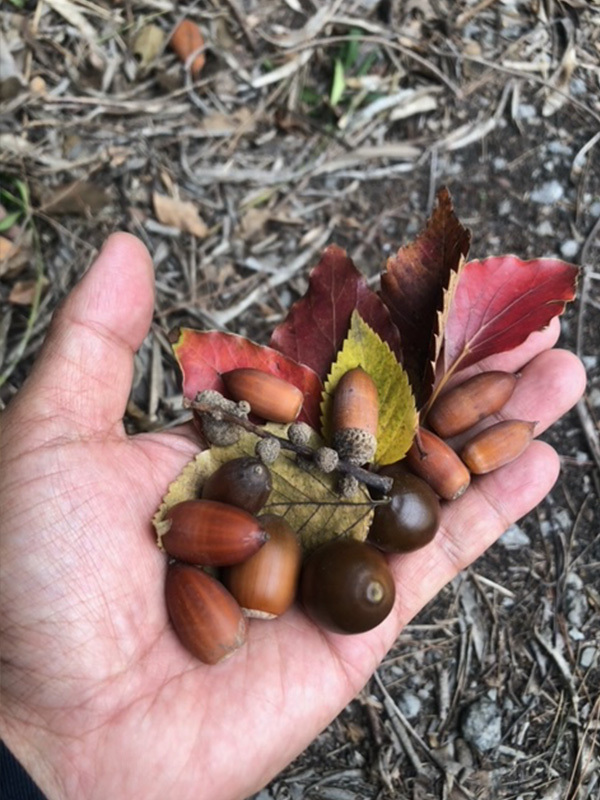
206, 618
211, 533
436, 462
464, 406
270, 397
497, 445
265, 585
355, 417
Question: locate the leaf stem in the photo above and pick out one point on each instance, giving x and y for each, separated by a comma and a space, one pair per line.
378, 482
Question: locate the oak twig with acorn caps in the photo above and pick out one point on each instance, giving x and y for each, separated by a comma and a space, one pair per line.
207, 406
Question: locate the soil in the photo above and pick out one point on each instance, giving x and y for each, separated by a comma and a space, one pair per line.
276, 172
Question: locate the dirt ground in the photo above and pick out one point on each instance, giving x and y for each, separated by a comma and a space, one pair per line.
314, 123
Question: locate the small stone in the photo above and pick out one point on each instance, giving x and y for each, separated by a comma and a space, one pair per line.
545, 228
409, 705
505, 208
326, 459
587, 657
514, 538
268, 450
548, 193
481, 724
569, 249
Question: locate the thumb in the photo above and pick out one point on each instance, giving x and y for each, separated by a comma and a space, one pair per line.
82, 378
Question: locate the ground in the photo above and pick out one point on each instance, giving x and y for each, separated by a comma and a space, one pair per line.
337, 122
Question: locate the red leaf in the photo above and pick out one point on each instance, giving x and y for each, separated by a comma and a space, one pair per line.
204, 355
317, 324
500, 301
414, 286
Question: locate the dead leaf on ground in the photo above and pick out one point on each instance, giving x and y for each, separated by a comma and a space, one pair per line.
148, 44
186, 41
253, 223
14, 255
79, 197
180, 214
23, 292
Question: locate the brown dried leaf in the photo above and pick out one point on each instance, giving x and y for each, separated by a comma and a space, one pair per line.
23, 292
79, 197
180, 214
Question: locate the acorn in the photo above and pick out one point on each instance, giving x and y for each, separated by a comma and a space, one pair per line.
270, 397
206, 618
346, 586
265, 585
464, 406
243, 482
411, 518
497, 445
211, 533
355, 417
436, 462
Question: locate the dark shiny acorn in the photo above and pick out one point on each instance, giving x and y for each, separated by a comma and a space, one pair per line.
411, 518
206, 618
265, 585
211, 533
464, 406
346, 586
243, 482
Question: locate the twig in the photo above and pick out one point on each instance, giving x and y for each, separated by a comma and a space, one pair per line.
377, 482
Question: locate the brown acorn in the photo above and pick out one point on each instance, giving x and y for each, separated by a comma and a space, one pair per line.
464, 406
265, 585
411, 518
346, 586
355, 416
498, 445
436, 462
243, 482
211, 533
270, 397
206, 618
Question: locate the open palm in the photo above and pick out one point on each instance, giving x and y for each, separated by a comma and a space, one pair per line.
99, 698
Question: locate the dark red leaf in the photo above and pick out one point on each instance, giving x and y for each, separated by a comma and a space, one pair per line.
500, 301
204, 355
414, 286
317, 324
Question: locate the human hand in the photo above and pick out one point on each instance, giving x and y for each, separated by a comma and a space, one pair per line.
99, 698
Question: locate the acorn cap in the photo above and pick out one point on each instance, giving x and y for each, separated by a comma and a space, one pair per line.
355, 445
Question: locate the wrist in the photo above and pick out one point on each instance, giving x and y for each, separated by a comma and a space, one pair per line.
35, 748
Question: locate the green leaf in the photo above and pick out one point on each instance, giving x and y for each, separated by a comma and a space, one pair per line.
339, 83
397, 411
9, 220
351, 50
306, 497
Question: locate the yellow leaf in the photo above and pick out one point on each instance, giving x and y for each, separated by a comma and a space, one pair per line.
306, 497
397, 411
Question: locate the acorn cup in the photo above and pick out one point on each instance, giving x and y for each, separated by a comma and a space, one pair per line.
265, 585
206, 618
269, 397
464, 406
346, 586
210, 533
436, 462
497, 445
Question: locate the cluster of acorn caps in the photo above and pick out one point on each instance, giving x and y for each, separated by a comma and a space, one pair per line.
227, 564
